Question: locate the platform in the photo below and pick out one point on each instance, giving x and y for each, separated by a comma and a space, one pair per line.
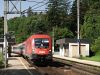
93, 63
18, 66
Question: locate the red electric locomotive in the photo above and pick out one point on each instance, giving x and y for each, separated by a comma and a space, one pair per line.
37, 47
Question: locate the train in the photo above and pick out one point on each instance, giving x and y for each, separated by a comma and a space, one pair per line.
37, 47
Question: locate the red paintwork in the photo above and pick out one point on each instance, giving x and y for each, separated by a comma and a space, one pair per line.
39, 51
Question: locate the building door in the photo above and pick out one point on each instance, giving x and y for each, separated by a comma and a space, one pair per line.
83, 50
75, 52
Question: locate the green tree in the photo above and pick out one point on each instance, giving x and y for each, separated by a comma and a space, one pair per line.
26, 26
40, 26
37, 24
57, 12
84, 6
96, 46
17, 25
29, 12
62, 33
91, 27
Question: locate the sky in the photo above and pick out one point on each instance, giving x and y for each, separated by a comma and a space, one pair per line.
25, 5
1, 7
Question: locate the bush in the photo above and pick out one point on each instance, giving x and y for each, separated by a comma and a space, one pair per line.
96, 46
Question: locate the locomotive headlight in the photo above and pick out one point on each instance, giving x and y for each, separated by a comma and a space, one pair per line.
50, 50
33, 51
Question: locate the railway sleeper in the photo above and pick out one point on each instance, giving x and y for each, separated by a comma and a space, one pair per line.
87, 68
82, 72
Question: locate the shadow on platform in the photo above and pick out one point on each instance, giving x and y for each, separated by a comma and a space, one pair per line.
19, 72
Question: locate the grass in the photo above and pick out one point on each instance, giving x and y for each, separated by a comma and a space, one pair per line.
93, 58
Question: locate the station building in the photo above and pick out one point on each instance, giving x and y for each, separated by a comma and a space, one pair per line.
71, 48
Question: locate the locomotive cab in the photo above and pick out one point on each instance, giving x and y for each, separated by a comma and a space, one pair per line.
39, 47
42, 49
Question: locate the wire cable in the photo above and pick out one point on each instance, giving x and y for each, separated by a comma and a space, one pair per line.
40, 6
33, 6
35, 1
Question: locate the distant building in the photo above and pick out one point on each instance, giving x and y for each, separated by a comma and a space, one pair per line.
69, 47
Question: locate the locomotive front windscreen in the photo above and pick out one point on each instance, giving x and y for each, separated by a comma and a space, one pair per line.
41, 43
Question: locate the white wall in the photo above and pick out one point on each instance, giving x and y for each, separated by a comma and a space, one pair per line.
61, 51
74, 52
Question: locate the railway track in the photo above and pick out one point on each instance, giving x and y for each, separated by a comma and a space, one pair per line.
53, 71
80, 68
86, 69
54, 68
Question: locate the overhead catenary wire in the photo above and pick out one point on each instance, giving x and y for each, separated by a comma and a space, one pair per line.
40, 6
37, 3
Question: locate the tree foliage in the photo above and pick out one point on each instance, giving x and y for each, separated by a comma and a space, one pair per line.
96, 46
91, 27
29, 12
26, 26
57, 13
62, 33
84, 6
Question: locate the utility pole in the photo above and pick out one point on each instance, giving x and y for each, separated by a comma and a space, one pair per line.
5, 32
8, 10
78, 27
